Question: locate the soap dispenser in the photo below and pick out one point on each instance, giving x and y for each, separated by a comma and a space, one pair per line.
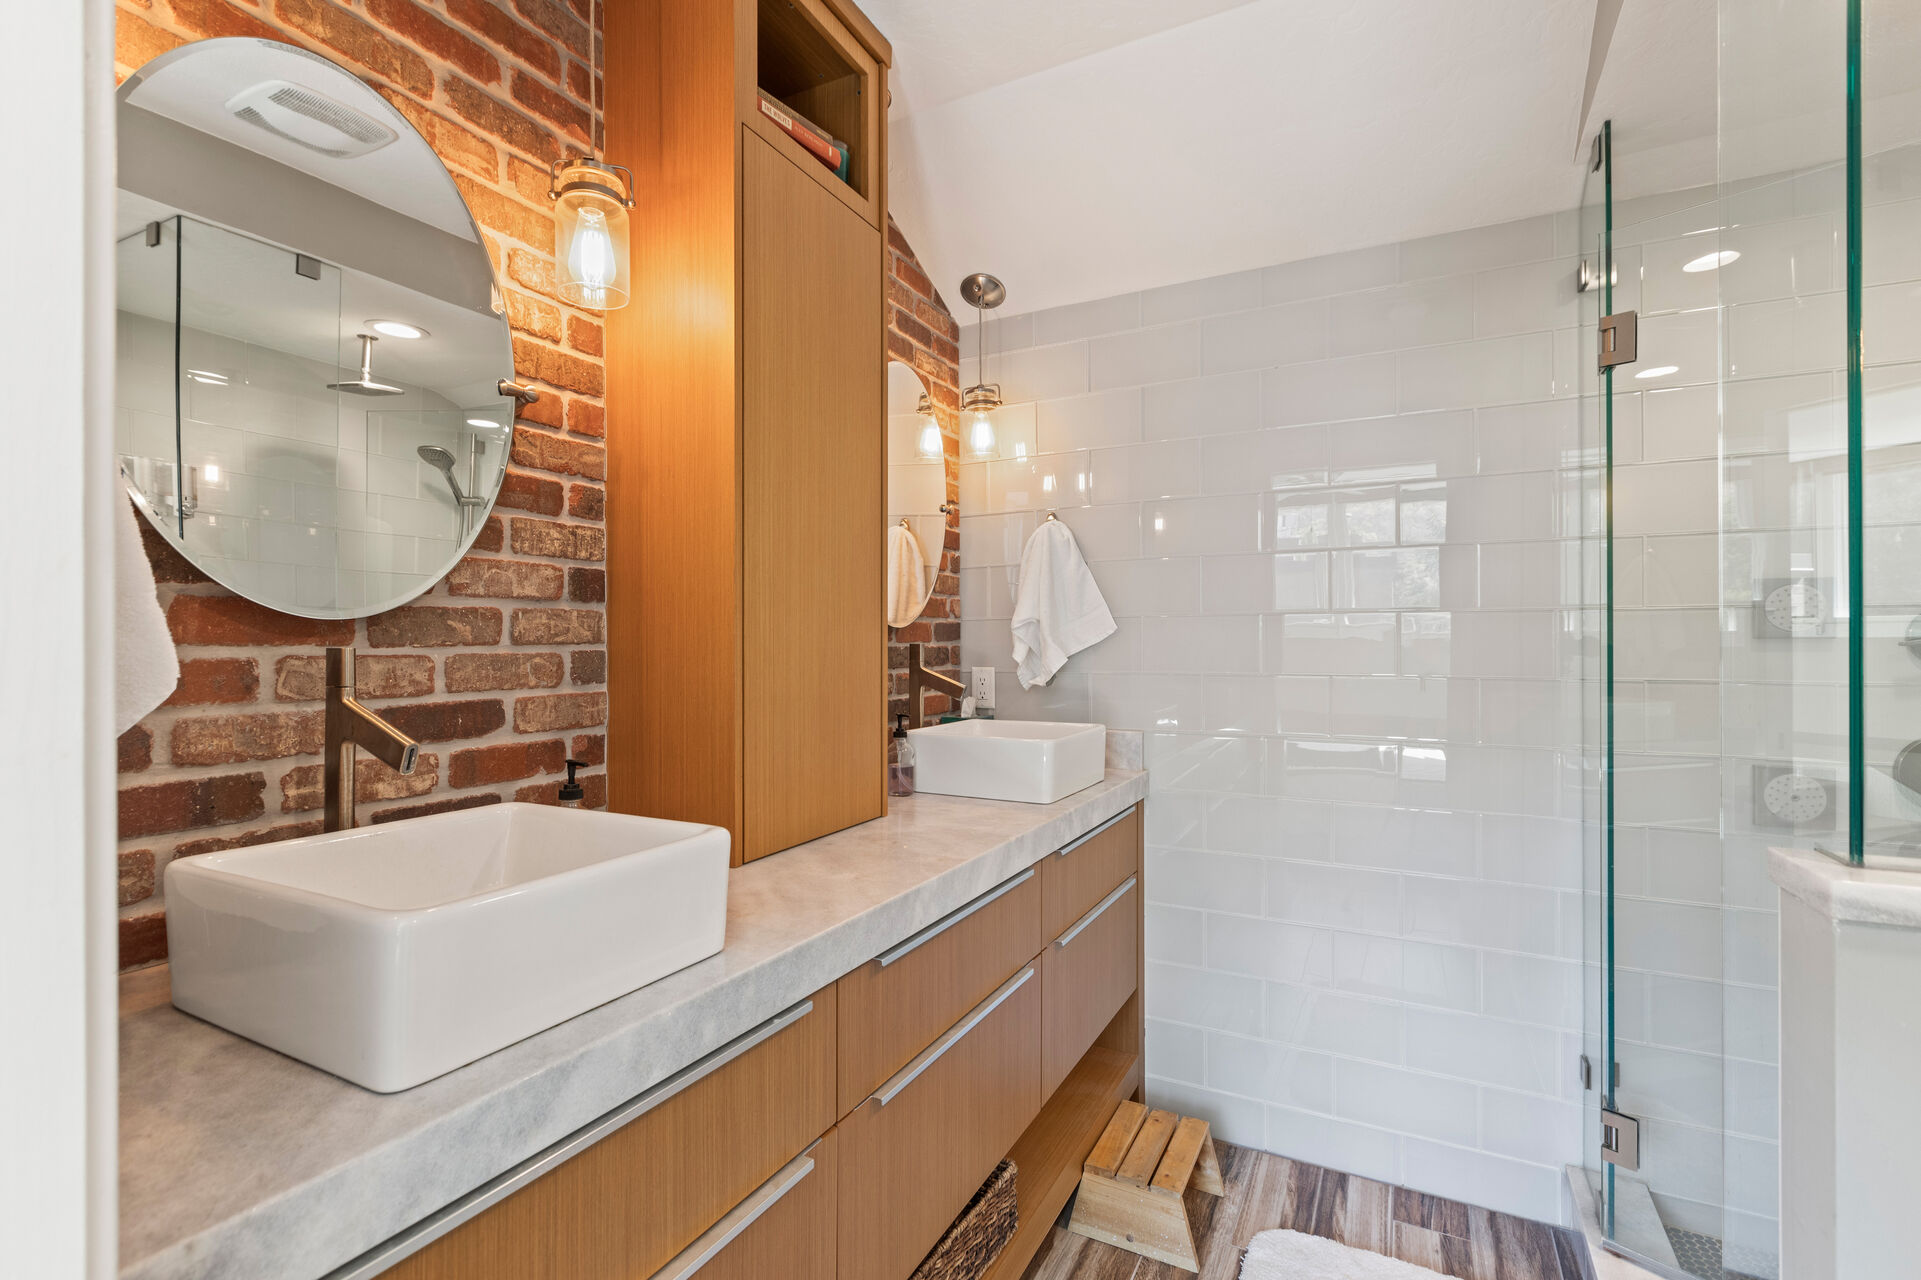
571, 792
900, 774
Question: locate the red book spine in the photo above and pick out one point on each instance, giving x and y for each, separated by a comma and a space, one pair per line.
801, 131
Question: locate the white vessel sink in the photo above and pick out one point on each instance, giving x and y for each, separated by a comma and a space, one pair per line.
391, 954
1030, 760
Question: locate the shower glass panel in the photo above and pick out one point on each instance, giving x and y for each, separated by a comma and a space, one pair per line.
259, 427
146, 440
1592, 622
1697, 709
1885, 202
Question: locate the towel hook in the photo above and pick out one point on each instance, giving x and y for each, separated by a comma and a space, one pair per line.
1051, 516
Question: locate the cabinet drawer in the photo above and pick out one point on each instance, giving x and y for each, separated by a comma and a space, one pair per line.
1086, 870
626, 1194
1090, 971
785, 1228
914, 1152
895, 1005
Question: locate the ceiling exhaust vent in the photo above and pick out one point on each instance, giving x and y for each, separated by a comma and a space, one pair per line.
311, 120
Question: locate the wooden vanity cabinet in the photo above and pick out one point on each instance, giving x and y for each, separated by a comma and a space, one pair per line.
745, 422
898, 1003
623, 1207
840, 1139
915, 1151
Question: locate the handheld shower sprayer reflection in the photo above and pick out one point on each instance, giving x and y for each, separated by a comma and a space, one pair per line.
442, 461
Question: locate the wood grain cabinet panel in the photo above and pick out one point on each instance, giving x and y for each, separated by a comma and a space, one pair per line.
786, 1228
913, 1154
813, 469
745, 433
626, 1205
895, 1005
1086, 870
1090, 974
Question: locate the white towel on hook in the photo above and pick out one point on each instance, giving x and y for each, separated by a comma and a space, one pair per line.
146, 667
1059, 610
907, 578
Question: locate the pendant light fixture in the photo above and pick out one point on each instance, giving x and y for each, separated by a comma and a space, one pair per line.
983, 293
927, 445
591, 200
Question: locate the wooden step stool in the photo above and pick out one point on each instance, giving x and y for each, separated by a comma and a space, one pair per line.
1134, 1181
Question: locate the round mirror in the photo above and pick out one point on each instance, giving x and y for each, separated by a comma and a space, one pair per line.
314, 368
916, 495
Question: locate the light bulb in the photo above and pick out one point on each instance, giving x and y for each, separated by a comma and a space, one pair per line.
980, 436
929, 448
590, 259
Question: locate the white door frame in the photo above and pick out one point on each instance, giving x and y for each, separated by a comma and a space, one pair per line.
58, 1074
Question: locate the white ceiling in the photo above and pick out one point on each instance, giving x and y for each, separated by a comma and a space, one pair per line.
1084, 148
959, 49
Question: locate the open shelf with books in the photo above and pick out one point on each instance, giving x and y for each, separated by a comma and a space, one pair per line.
819, 88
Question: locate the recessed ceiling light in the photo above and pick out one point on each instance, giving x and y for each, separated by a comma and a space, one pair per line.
401, 329
1710, 261
1659, 371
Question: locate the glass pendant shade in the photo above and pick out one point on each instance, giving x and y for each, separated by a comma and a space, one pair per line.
927, 446
590, 216
981, 440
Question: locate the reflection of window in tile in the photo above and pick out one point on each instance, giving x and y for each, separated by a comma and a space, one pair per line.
1417, 578
1346, 757
1300, 582
1300, 521
1365, 580
1424, 513
1365, 517
1425, 640
1424, 764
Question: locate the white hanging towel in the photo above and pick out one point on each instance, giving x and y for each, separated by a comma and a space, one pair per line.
146, 668
1058, 611
907, 584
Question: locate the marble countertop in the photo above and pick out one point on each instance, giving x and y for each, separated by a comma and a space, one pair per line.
237, 1163
1860, 895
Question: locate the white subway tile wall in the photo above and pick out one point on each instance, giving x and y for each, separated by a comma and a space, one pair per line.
1327, 503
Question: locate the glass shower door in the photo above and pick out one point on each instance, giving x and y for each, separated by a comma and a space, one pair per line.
1681, 973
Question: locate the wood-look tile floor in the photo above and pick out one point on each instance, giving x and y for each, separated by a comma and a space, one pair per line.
1265, 1192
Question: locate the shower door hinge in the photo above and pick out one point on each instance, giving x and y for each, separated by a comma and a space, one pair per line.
1620, 1140
1587, 1074
1618, 339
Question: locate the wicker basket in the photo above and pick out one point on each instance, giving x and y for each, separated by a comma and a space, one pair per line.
978, 1235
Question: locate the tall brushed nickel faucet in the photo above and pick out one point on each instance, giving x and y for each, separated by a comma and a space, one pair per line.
350, 725
920, 679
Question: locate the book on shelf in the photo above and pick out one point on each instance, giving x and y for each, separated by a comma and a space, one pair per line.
826, 148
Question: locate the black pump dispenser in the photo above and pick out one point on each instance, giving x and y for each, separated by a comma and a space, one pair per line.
571, 792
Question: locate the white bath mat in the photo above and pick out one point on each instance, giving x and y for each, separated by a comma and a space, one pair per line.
1290, 1255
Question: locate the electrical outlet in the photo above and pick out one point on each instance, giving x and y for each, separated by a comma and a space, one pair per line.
983, 685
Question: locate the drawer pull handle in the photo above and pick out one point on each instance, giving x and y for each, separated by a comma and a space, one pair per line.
1078, 841
1094, 915
737, 1219
953, 918
411, 1240
932, 1054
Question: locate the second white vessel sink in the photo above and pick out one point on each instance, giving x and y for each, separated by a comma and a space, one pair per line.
391, 954
1029, 760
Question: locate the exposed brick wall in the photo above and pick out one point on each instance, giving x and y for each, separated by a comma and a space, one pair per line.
923, 334
500, 670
